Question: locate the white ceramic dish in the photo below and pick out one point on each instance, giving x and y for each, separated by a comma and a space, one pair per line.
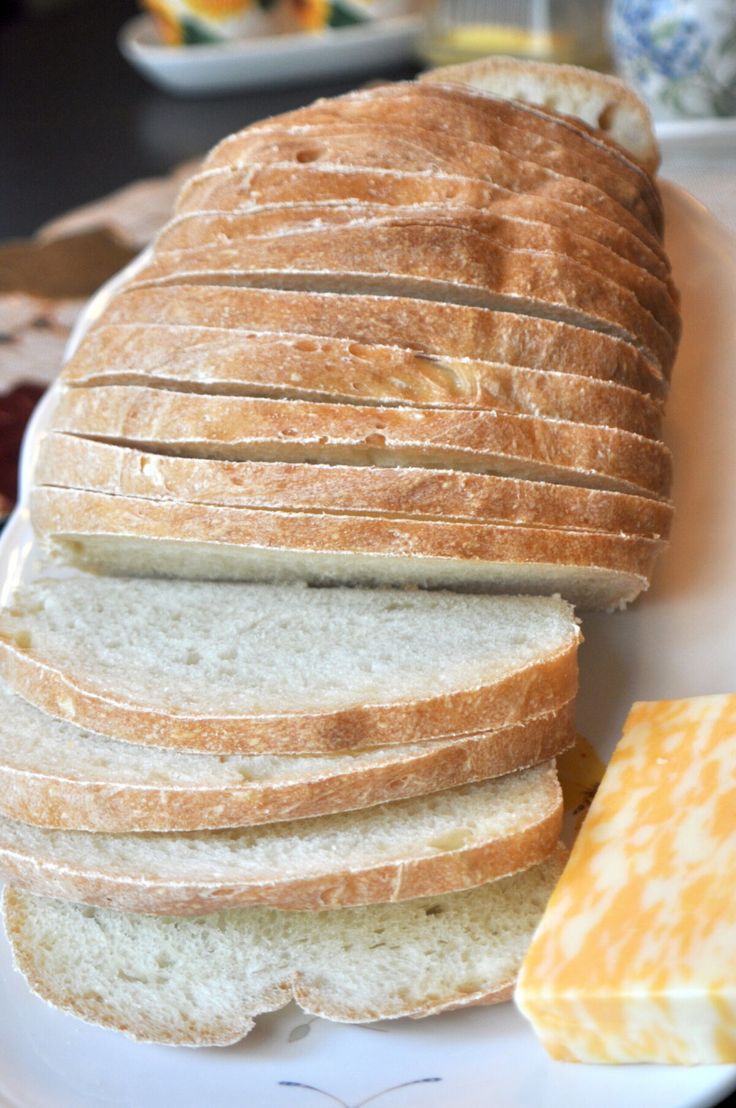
679, 640
270, 61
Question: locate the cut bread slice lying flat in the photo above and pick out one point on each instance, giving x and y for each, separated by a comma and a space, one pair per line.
232, 189
261, 429
132, 536
233, 667
507, 126
300, 367
200, 981
425, 846
428, 261
412, 149
196, 229
430, 327
66, 461
606, 104
56, 775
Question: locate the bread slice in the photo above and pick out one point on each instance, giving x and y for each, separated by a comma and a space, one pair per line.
420, 847
300, 367
605, 103
134, 536
66, 461
234, 428
274, 668
505, 125
200, 982
54, 774
411, 148
231, 189
429, 327
196, 229
426, 260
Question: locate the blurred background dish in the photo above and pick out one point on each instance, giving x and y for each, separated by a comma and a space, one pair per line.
269, 60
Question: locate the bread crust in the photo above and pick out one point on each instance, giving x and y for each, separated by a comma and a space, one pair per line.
429, 261
341, 885
235, 189
258, 429
610, 105
70, 802
67, 461
429, 327
336, 549
300, 367
509, 126
195, 229
417, 149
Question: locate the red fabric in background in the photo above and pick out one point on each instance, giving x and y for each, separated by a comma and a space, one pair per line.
15, 409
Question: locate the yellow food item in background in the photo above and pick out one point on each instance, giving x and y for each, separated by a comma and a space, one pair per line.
635, 957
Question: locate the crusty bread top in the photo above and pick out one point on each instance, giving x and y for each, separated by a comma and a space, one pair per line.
605, 103
419, 149
195, 229
508, 126
236, 188
427, 260
427, 326
300, 367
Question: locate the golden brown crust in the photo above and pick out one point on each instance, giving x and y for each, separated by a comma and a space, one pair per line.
300, 367
197, 229
507, 125
72, 802
390, 882
430, 327
429, 261
233, 189
610, 105
261, 429
70, 462
417, 149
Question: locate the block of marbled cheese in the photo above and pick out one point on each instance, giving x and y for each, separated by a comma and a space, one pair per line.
635, 957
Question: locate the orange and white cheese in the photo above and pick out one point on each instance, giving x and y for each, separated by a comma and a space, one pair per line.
635, 957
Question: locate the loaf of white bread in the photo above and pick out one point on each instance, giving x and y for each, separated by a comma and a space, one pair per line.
415, 336
420, 334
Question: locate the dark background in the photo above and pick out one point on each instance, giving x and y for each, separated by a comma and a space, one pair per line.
76, 121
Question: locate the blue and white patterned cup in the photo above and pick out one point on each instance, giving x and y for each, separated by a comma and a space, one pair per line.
679, 54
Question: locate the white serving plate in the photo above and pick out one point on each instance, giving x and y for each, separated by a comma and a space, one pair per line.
680, 640
269, 61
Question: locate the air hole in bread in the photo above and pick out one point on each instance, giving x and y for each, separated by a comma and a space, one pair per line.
308, 154
434, 910
605, 117
375, 439
306, 346
192, 657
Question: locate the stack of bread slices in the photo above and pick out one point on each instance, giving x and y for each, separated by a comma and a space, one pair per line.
419, 335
